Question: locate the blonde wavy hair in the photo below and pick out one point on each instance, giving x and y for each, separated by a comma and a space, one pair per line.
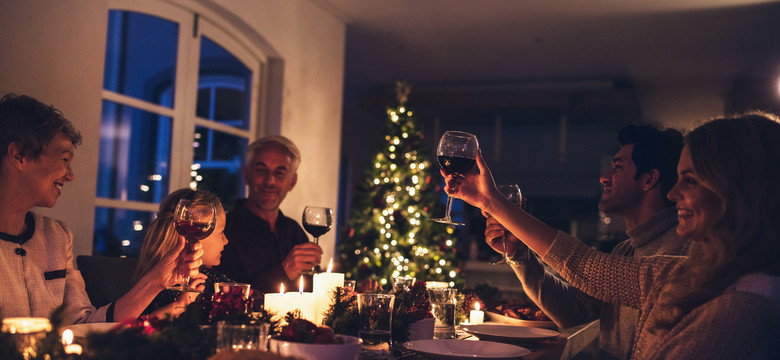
738, 159
161, 237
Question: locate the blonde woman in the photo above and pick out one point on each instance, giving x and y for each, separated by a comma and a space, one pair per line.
162, 236
719, 302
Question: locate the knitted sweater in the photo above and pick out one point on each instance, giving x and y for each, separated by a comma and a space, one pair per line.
569, 306
743, 322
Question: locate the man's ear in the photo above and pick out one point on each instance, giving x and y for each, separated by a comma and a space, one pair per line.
650, 179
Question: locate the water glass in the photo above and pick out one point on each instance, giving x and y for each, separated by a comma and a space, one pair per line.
443, 309
403, 283
376, 314
234, 337
232, 288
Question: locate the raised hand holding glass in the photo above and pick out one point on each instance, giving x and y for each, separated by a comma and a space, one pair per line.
456, 154
195, 220
317, 221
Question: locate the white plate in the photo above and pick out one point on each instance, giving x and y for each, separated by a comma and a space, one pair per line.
465, 349
509, 333
81, 330
502, 319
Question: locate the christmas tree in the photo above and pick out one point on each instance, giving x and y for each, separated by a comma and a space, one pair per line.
390, 233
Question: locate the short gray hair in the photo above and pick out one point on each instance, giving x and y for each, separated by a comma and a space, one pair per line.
278, 141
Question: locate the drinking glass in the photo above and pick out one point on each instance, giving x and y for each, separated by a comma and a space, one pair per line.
195, 220
456, 155
513, 193
234, 337
317, 221
443, 309
403, 283
376, 312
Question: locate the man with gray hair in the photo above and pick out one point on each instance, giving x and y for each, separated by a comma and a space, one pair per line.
267, 248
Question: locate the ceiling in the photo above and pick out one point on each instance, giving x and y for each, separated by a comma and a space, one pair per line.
449, 43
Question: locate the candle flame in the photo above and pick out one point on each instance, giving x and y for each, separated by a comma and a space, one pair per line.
67, 337
330, 265
476, 306
281, 288
300, 285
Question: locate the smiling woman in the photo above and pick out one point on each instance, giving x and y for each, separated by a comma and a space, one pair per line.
36, 257
720, 301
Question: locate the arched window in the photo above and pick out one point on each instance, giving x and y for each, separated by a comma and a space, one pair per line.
180, 103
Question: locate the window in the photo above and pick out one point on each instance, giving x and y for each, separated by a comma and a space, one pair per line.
179, 108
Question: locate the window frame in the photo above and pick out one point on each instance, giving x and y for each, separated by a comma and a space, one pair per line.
192, 27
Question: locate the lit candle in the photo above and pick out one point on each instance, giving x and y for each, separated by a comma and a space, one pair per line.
306, 302
476, 316
276, 303
27, 332
324, 285
67, 342
284, 302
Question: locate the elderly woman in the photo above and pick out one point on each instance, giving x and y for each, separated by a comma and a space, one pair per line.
719, 302
37, 147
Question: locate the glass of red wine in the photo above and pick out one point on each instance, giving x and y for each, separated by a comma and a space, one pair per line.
195, 220
456, 155
317, 221
513, 193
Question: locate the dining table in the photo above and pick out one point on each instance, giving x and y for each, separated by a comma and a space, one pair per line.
570, 342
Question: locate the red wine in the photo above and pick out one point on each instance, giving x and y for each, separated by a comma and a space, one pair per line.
456, 164
316, 230
193, 231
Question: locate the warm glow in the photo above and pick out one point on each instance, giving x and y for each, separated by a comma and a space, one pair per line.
67, 337
281, 288
476, 306
330, 265
300, 285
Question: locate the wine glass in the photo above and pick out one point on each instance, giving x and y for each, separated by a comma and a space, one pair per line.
195, 220
317, 221
513, 193
456, 155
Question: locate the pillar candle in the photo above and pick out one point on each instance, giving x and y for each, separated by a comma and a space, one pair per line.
324, 285
282, 303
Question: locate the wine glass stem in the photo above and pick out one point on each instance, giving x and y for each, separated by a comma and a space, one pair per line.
449, 208
503, 241
316, 240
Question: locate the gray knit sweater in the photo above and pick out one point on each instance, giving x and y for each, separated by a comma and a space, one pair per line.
568, 306
743, 322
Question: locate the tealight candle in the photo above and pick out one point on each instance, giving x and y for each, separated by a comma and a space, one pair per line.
324, 284
476, 316
27, 332
67, 342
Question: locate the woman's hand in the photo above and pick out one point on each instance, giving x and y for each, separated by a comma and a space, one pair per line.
476, 189
178, 264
